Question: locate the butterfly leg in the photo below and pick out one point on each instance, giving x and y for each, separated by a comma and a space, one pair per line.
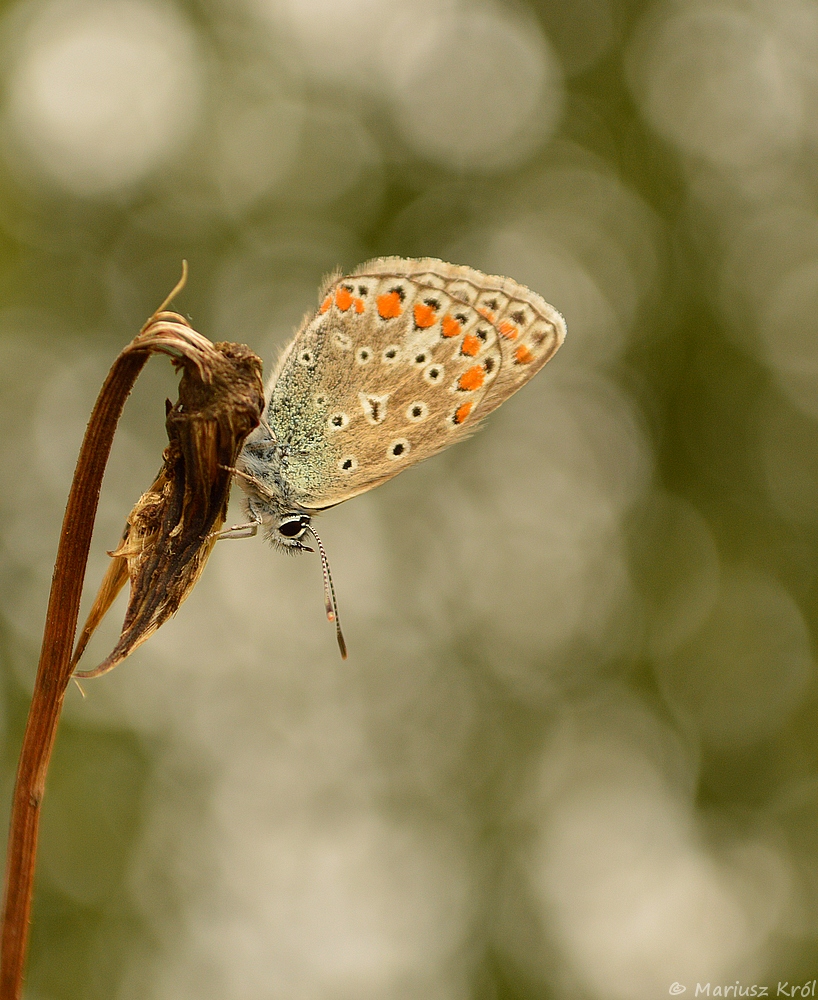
247, 530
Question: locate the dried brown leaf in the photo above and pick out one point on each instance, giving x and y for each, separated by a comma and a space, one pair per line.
171, 531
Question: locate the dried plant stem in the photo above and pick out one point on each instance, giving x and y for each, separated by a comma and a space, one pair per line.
167, 541
54, 670
170, 533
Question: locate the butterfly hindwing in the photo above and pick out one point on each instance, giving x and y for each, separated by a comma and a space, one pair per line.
402, 359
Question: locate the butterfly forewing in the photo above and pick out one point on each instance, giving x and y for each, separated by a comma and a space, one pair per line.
402, 359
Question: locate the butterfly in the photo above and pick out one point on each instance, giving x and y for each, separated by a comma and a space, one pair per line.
403, 358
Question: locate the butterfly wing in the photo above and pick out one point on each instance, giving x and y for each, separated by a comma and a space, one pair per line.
402, 359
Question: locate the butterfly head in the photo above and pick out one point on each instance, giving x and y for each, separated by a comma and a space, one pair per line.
286, 528
284, 524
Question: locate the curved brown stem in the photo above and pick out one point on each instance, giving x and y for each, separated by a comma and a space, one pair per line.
170, 534
54, 670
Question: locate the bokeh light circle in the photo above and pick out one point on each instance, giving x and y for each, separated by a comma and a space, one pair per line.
101, 94
726, 82
474, 88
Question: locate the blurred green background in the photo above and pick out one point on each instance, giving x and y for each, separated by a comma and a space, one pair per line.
573, 751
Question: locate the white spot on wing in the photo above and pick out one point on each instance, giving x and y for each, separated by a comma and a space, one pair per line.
398, 449
337, 421
374, 407
417, 411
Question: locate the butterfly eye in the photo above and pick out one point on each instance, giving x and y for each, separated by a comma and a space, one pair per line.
295, 527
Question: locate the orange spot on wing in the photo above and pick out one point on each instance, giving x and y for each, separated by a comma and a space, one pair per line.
389, 305
462, 412
425, 316
343, 299
472, 379
450, 326
471, 345
487, 314
508, 330
359, 304
325, 304
523, 356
